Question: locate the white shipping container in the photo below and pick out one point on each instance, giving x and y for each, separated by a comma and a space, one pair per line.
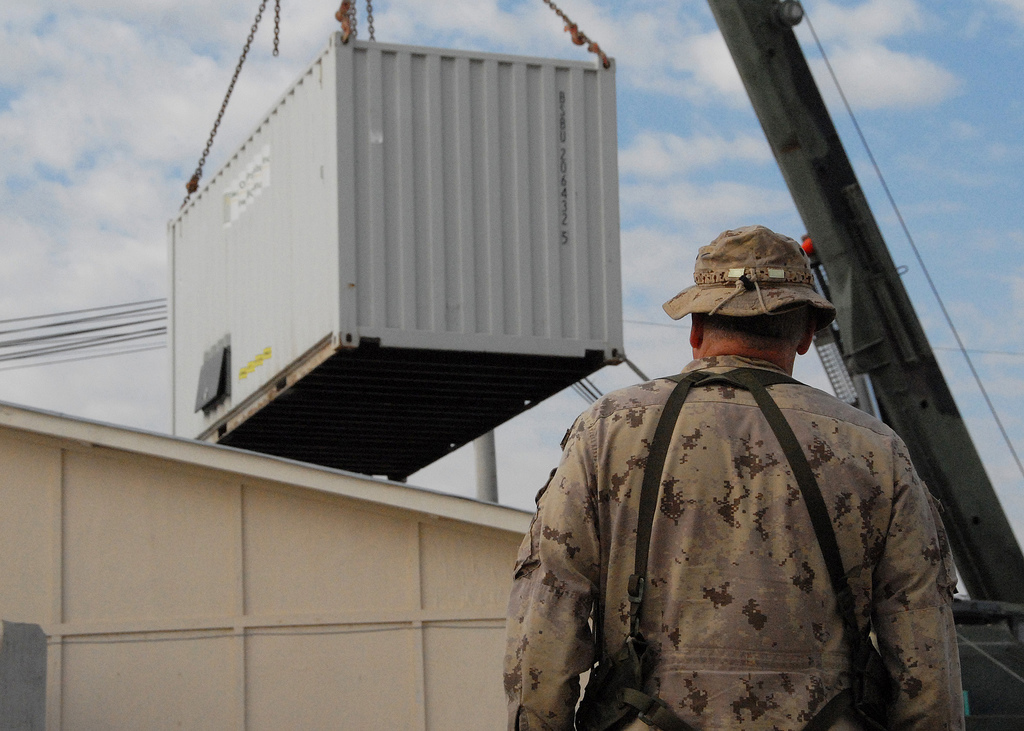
404, 198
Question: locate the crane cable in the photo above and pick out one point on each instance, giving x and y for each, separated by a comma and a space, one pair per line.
917, 254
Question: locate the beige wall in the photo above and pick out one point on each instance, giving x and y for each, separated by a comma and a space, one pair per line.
189, 586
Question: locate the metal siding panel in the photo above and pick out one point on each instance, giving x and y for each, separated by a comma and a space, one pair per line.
578, 201
433, 185
545, 218
611, 250
404, 185
421, 222
372, 243
507, 239
344, 201
595, 325
394, 202
568, 230
462, 103
522, 241
482, 120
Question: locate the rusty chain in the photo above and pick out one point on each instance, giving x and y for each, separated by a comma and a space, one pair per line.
193, 185
579, 37
346, 15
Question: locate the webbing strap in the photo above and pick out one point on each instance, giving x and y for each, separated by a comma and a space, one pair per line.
653, 711
809, 489
649, 492
831, 711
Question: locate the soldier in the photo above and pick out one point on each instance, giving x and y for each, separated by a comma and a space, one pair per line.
742, 625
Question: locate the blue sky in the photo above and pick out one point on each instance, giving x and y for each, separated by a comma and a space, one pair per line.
105, 106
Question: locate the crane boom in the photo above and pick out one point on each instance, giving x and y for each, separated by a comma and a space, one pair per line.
881, 335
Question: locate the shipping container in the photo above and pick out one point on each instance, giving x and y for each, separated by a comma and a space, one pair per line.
413, 246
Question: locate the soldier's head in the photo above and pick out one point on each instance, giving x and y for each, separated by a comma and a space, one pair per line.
753, 295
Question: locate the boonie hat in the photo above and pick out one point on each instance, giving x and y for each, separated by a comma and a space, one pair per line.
751, 271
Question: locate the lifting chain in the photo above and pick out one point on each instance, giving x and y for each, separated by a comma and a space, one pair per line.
193, 185
579, 37
346, 15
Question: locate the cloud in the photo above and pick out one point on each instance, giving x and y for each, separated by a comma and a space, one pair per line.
661, 155
869, 21
1015, 7
688, 202
875, 77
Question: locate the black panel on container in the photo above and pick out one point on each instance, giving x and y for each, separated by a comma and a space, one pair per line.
214, 376
393, 411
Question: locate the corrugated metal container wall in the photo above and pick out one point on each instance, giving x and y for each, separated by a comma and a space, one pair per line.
479, 200
411, 197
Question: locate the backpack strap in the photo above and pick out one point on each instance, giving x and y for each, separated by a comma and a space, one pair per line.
809, 490
649, 491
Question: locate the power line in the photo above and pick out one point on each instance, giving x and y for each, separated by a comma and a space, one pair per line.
125, 351
93, 332
77, 312
93, 318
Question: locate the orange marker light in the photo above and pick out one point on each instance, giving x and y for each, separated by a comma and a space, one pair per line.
808, 246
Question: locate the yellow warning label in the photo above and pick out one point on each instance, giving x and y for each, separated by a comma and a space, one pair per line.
255, 363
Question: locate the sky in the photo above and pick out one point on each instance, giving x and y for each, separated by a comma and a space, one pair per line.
105, 106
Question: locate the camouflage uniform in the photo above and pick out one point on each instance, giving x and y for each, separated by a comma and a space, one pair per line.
739, 611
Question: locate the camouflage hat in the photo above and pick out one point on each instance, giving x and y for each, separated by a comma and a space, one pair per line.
750, 271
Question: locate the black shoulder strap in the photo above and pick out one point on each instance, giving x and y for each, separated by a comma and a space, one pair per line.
649, 492
809, 490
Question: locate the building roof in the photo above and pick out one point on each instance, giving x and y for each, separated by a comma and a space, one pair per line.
88, 433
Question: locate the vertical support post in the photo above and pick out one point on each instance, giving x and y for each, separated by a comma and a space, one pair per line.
486, 468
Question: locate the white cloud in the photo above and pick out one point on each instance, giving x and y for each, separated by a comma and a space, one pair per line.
661, 155
868, 21
1016, 8
687, 202
873, 77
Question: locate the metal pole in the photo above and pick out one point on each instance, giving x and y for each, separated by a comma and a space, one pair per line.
486, 468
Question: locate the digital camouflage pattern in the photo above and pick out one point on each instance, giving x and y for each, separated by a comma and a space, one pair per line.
739, 610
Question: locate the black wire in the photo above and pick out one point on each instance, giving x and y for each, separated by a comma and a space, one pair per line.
94, 318
917, 254
125, 351
84, 343
76, 312
61, 336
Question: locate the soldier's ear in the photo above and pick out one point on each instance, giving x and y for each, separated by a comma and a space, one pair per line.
808, 337
696, 330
